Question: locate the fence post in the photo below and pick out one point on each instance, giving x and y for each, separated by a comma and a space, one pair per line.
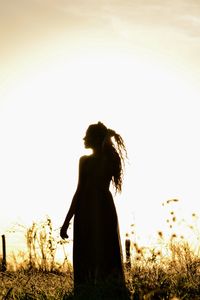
4, 253
128, 253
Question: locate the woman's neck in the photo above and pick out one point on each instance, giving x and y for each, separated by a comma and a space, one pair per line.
97, 151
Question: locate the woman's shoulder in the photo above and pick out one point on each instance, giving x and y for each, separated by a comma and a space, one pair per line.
84, 158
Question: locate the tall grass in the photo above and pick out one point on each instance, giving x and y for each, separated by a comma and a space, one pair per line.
165, 277
170, 270
42, 246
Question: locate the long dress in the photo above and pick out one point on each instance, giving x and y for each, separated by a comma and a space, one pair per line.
97, 251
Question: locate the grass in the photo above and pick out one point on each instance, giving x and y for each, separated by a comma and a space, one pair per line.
166, 278
176, 277
34, 284
149, 278
170, 271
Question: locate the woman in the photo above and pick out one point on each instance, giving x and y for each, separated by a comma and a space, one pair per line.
96, 247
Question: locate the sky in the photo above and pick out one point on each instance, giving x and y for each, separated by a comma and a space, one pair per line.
133, 65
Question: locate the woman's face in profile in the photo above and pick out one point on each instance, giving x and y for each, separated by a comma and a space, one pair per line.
92, 139
88, 140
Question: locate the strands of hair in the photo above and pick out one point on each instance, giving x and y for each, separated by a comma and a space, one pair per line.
118, 144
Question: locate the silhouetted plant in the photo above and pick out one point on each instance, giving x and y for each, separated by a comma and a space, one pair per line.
169, 271
42, 245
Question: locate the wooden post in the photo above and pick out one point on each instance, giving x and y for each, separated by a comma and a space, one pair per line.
4, 253
128, 253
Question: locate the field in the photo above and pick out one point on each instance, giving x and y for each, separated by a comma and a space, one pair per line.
169, 271
177, 277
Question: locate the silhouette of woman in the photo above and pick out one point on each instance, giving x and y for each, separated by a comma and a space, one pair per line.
96, 245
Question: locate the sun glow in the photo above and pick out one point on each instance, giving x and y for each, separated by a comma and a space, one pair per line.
48, 109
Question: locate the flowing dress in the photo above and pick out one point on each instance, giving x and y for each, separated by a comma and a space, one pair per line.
97, 251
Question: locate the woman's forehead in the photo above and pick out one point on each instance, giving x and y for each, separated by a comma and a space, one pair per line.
96, 129
91, 129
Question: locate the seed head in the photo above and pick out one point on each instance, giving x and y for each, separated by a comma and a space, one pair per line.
160, 233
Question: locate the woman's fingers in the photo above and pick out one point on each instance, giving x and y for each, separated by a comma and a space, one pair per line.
63, 233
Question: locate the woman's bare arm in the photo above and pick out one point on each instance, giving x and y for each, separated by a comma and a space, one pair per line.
71, 211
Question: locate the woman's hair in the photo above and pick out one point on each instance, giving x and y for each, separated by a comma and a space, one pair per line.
113, 143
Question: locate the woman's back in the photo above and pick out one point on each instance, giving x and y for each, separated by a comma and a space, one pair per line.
98, 171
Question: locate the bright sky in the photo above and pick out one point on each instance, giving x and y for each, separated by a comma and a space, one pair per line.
133, 65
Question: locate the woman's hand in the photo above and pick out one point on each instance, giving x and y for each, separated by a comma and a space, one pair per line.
63, 232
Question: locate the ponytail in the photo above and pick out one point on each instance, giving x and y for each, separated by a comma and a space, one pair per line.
113, 144
119, 148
